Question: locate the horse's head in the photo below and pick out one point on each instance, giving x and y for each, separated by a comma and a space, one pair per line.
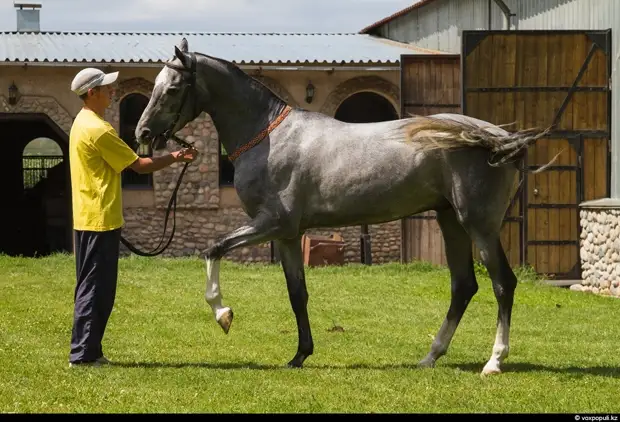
173, 102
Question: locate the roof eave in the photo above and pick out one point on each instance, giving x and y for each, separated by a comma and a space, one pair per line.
393, 16
351, 65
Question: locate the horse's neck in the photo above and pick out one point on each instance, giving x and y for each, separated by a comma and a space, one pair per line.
240, 108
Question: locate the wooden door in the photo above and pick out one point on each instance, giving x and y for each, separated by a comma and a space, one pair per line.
541, 79
430, 84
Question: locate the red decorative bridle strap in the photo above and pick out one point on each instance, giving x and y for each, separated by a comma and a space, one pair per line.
258, 138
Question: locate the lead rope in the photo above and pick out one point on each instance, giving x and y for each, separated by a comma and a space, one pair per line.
172, 205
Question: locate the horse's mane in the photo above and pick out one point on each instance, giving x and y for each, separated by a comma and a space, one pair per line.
236, 71
228, 64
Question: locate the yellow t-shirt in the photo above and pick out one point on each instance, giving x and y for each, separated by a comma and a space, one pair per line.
97, 156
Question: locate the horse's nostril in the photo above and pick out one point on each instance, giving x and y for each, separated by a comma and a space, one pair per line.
145, 134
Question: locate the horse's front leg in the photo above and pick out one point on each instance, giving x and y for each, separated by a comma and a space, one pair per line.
259, 230
293, 266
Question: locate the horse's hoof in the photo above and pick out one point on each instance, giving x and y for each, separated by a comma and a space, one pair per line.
298, 360
225, 320
490, 369
295, 364
426, 363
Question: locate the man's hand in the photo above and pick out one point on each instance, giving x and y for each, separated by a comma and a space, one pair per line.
145, 165
186, 155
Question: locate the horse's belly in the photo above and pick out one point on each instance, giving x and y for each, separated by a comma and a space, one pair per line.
379, 190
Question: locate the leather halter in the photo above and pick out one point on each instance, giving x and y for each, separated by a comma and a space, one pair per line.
190, 86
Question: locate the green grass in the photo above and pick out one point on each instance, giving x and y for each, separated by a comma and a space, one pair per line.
173, 357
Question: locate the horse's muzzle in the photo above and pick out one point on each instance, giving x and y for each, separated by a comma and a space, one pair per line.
159, 142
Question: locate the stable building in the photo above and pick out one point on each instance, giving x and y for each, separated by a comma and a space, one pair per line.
353, 77
537, 63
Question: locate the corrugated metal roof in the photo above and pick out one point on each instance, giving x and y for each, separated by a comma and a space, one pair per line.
239, 48
400, 13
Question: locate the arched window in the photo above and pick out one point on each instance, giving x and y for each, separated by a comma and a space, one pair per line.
38, 157
366, 107
131, 109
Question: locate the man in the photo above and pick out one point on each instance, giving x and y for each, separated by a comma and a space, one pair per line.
97, 156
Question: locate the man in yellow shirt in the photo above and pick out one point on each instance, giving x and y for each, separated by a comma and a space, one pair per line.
97, 156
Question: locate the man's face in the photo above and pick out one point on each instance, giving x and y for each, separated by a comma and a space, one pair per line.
102, 95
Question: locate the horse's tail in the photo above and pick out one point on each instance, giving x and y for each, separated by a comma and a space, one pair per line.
431, 133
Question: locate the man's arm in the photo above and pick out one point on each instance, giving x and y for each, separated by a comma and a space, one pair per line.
145, 165
119, 156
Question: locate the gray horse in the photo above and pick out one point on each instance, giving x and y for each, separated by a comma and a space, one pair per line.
296, 170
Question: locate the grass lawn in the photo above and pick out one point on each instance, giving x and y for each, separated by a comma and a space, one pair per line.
173, 357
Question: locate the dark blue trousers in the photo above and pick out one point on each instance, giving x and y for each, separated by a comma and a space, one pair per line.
96, 265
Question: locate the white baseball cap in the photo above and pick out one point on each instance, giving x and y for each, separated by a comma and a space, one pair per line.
89, 78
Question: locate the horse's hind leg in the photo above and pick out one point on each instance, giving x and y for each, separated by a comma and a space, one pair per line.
293, 266
504, 285
256, 231
463, 282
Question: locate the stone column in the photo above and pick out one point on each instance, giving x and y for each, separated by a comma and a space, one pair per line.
600, 246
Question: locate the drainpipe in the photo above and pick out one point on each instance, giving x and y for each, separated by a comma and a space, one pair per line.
490, 12
506, 11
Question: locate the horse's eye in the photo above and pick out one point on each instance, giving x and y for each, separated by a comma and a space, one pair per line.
173, 90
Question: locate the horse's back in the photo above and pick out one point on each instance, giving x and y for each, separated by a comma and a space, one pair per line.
337, 173
357, 172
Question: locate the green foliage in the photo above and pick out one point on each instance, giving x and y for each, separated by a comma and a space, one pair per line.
480, 270
42, 146
524, 274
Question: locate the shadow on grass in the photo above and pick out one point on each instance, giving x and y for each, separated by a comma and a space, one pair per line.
522, 367
207, 365
258, 366
603, 371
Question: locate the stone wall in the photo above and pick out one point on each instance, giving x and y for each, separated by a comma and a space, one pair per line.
600, 247
361, 84
44, 105
197, 230
384, 241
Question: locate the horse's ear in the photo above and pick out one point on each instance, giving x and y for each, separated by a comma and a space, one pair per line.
182, 57
183, 45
